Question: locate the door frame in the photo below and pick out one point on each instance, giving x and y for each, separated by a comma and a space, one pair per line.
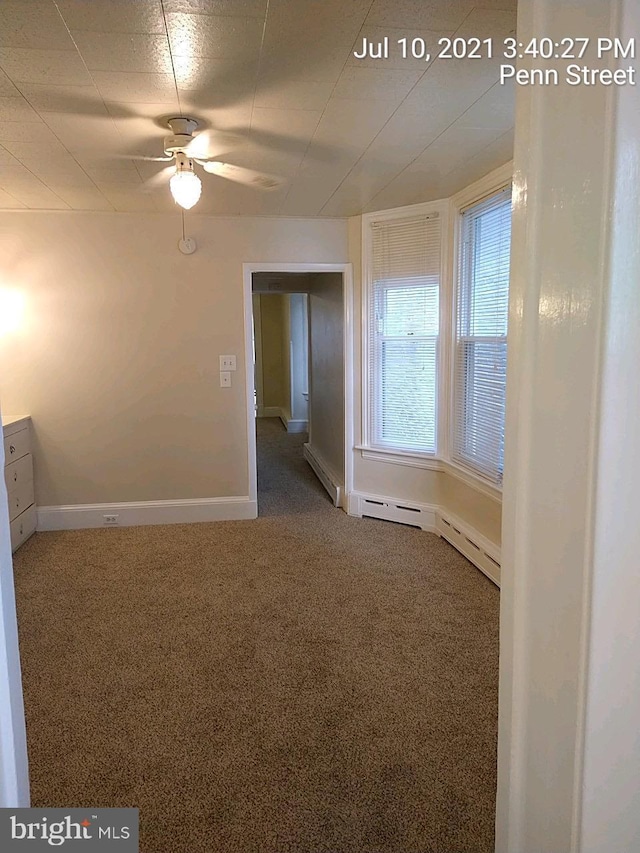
346, 271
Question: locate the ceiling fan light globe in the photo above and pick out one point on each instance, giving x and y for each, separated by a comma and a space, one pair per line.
185, 189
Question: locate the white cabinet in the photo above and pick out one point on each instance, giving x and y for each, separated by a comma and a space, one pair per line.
18, 475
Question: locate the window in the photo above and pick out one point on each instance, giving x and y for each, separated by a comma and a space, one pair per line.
480, 356
403, 332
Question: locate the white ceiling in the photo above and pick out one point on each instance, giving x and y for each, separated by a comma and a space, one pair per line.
83, 84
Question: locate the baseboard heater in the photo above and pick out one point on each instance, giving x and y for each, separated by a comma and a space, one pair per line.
401, 513
474, 547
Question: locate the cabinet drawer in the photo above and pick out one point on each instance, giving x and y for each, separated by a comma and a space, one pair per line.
16, 446
17, 473
22, 527
20, 499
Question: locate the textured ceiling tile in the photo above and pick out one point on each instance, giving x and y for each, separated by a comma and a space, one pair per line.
496, 108
127, 200
113, 16
208, 35
495, 24
82, 198
76, 100
429, 14
9, 202
57, 67
27, 147
373, 84
6, 86
98, 133
352, 124
281, 127
32, 25
17, 109
14, 131
292, 94
242, 8
40, 197
124, 51
130, 87
217, 80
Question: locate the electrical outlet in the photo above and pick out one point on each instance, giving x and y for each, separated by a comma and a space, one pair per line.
225, 379
227, 362
110, 520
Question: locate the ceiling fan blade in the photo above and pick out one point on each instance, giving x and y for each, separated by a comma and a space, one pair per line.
211, 143
242, 175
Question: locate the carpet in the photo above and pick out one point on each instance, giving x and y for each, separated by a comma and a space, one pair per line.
302, 682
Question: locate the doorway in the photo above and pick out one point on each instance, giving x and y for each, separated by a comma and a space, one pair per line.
298, 317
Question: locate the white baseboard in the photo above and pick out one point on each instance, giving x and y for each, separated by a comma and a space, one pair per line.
81, 516
293, 424
269, 411
323, 472
391, 509
485, 555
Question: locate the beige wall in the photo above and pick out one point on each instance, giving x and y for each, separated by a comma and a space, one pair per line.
117, 355
272, 357
401, 481
326, 373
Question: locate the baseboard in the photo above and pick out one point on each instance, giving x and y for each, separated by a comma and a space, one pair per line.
485, 555
269, 411
324, 473
133, 514
293, 424
391, 509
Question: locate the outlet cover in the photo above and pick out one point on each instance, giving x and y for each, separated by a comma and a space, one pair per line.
225, 379
110, 520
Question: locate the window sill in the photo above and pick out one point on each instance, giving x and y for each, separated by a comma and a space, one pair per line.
401, 457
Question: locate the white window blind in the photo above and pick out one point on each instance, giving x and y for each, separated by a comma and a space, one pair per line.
403, 332
480, 357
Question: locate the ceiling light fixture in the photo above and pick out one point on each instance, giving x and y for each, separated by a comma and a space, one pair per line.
185, 184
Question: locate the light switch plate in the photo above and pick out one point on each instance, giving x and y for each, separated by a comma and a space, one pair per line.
227, 362
225, 379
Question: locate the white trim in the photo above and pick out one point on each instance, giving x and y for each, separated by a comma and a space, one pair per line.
294, 424
325, 474
346, 270
412, 513
479, 550
484, 187
134, 513
401, 457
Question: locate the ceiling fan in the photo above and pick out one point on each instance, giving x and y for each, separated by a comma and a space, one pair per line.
185, 150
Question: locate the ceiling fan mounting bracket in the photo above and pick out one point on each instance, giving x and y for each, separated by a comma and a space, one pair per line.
182, 134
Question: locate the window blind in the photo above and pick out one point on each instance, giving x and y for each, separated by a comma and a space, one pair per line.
403, 332
480, 355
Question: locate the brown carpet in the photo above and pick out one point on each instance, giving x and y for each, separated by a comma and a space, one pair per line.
303, 682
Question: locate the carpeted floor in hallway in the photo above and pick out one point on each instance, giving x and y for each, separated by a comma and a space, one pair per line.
303, 682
